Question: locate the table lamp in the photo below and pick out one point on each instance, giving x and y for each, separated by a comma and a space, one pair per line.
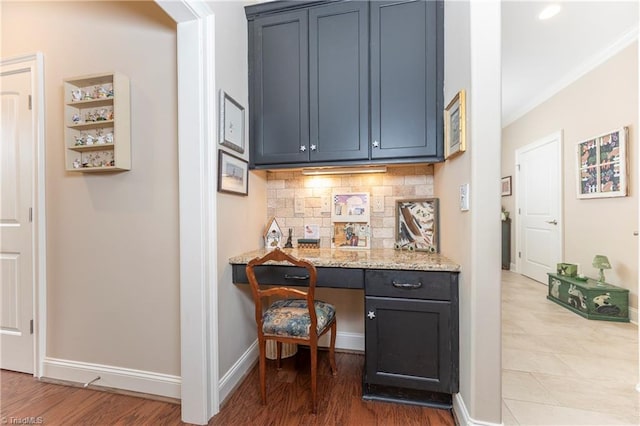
601, 262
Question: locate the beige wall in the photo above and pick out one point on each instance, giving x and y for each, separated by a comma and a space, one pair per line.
112, 239
240, 219
604, 99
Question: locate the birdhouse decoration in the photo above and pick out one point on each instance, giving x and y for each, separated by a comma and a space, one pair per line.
273, 235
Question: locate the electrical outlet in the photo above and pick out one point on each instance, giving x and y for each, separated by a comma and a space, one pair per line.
298, 205
325, 204
378, 203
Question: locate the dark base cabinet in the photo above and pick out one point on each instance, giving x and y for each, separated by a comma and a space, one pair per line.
411, 337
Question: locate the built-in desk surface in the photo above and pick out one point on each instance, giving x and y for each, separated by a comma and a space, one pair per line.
363, 259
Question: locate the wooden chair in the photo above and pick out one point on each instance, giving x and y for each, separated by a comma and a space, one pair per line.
291, 320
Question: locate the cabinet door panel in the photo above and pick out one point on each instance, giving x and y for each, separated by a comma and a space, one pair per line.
406, 79
339, 84
280, 120
408, 343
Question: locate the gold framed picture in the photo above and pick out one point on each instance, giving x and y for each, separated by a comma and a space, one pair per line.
454, 126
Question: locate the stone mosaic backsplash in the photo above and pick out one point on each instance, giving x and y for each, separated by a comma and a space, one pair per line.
296, 200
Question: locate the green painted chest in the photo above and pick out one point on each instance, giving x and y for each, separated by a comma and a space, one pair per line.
589, 298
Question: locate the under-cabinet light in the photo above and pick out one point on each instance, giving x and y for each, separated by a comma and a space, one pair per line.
343, 170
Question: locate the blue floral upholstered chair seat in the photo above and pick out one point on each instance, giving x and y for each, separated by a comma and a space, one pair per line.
290, 317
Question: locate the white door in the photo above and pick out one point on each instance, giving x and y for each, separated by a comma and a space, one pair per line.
539, 207
16, 225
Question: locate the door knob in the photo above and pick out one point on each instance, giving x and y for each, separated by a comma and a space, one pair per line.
552, 222
313, 147
371, 315
303, 148
375, 144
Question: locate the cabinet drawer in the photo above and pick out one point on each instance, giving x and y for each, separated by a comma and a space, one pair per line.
290, 276
409, 284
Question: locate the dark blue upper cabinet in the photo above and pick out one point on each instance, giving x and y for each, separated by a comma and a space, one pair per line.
406, 79
279, 87
345, 82
339, 82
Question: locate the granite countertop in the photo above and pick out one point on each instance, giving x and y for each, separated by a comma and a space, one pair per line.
362, 258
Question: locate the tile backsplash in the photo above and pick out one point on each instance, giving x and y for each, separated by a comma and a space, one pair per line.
296, 200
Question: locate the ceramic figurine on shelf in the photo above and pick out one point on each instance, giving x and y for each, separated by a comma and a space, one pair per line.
100, 138
76, 95
89, 140
102, 115
90, 116
76, 163
87, 95
110, 92
110, 115
109, 137
75, 118
102, 92
79, 140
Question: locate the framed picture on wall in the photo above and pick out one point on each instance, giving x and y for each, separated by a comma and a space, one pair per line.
602, 165
505, 185
231, 125
454, 126
233, 174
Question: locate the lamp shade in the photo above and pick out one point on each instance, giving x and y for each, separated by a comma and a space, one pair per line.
601, 262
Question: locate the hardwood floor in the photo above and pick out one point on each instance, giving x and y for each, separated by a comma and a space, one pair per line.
288, 401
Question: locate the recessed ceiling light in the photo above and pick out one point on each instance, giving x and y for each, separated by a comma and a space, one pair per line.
549, 12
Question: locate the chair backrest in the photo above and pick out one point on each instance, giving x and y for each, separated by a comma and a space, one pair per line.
277, 255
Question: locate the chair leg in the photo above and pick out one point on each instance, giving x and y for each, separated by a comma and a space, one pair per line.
262, 344
314, 368
278, 354
332, 349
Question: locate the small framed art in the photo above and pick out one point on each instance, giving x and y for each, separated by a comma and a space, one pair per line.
417, 225
602, 165
231, 123
233, 174
454, 126
505, 185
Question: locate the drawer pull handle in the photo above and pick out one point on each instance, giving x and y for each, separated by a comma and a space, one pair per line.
406, 285
296, 277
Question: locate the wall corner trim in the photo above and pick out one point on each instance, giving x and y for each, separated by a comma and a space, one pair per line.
462, 414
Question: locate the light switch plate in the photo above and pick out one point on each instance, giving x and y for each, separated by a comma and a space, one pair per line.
464, 197
298, 205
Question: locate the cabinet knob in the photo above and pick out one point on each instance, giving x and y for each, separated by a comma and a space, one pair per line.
375, 144
313, 147
371, 315
303, 148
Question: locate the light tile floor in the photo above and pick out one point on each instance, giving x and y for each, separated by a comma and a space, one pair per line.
559, 368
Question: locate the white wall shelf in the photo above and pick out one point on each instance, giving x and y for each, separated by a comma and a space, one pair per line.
97, 131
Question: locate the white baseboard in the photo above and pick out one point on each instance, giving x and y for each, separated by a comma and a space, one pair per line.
346, 341
462, 414
112, 377
238, 370
232, 378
